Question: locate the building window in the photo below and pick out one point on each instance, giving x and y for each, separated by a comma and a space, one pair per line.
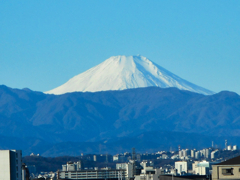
227, 171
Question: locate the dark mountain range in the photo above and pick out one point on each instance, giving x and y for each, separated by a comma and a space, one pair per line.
114, 117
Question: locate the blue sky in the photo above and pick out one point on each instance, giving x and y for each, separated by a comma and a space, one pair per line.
45, 43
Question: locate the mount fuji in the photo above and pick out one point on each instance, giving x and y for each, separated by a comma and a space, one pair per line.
125, 72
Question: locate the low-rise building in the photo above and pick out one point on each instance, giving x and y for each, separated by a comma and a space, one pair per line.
104, 173
201, 167
229, 169
75, 171
148, 173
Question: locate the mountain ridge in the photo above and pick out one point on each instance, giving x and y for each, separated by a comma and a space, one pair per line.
113, 115
121, 112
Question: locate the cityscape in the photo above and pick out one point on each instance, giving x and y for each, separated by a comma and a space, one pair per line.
180, 164
119, 90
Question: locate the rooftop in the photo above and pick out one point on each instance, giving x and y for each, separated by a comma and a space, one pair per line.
233, 161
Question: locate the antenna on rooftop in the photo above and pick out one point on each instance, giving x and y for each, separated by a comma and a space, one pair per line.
225, 144
107, 158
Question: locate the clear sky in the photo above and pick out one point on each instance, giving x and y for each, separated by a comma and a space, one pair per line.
45, 43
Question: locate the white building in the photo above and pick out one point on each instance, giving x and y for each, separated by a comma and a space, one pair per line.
48, 175
214, 154
234, 147
174, 157
92, 174
25, 172
74, 171
201, 168
208, 152
148, 173
186, 152
197, 155
182, 167
183, 154
70, 166
128, 167
10, 164
180, 153
193, 153
116, 157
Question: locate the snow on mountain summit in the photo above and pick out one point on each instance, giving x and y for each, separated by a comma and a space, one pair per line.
125, 72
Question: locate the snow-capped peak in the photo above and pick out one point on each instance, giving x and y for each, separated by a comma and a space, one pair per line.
125, 72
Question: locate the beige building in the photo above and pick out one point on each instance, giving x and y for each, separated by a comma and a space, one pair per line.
229, 169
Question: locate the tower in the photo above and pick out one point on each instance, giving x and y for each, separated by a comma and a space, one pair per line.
133, 154
107, 158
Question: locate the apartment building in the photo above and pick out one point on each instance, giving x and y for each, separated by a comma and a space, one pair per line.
11, 164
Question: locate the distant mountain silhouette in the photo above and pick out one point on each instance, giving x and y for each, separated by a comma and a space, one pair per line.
111, 116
